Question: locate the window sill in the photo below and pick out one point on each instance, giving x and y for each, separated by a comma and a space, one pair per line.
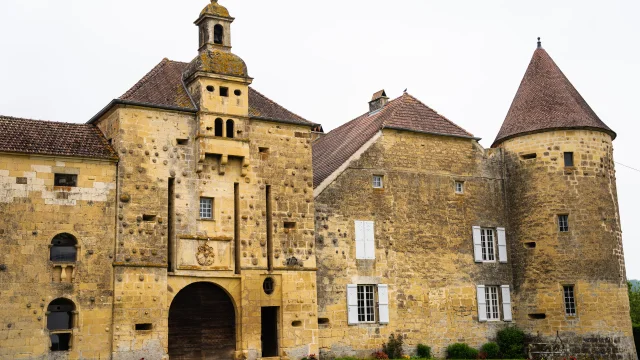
207, 220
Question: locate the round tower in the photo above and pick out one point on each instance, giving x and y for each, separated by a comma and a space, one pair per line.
570, 289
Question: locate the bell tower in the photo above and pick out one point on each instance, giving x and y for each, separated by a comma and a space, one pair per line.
215, 27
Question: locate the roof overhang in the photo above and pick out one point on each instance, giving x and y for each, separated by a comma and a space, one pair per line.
590, 128
117, 102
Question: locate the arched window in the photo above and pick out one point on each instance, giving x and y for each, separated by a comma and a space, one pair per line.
219, 126
218, 34
60, 322
230, 131
63, 248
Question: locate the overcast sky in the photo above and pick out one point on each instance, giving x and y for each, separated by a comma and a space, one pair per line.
64, 60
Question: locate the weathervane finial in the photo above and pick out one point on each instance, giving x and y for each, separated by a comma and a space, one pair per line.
539, 43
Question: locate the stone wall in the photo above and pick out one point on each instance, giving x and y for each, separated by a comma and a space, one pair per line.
32, 212
589, 256
424, 246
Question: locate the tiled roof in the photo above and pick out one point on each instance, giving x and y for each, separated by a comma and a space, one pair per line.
53, 138
404, 113
163, 86
547, 100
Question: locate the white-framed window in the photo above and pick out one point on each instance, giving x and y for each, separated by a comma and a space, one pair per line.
459, 187
490, 299
563, 223
378, 182
206, 208
365, 240
489, 244
362, 305
569, 300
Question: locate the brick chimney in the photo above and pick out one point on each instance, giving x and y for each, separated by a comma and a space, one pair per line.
378, 101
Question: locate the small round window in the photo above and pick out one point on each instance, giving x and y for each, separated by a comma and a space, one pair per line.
238, 92
210, 88
268, 286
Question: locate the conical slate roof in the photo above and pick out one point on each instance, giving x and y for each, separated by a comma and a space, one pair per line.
546, 100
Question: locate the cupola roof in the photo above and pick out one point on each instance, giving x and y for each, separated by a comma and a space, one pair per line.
546, 100
219, 62
215, 9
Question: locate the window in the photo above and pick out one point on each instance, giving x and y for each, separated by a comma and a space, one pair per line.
268, 286
237, 92
362, 306
365, 241
563, 223
459, 187
568, 159
224, 91
569, 300
206, 208
60, 322
264, 153
377, 182
230, 131
218, 34
489, 300
488, 245
366, 304
67, 180
219, 125
210, 88
63, 248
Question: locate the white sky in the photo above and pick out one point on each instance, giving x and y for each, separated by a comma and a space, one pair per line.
64, 60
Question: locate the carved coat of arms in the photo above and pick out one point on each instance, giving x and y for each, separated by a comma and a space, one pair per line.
205, 255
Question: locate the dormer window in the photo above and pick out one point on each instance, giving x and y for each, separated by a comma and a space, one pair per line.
218, 34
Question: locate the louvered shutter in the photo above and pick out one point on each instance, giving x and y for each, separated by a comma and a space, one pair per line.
482, 304
502, 245
506, 303
369, 240
352, 303
477, 244
360, 243
383, 303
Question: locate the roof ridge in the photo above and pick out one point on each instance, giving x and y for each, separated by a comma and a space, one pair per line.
146, 78
368, 114
437, 113
7, 117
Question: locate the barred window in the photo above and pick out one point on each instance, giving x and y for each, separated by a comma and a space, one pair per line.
493, 302
488, 245
563, 223
569, 301
206, 208
377, 182
366, 303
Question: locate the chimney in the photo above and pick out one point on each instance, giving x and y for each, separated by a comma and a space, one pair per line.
378, 101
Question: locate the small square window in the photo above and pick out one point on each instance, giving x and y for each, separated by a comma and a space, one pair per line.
206, 208
377, 182
563, 223
67, 180
224, 91
569, 300
568, 159
459, 187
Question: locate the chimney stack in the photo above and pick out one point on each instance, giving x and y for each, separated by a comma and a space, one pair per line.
378, 101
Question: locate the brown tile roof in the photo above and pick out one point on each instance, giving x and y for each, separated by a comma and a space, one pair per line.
404, 113
547, 100
163, 86
53, 138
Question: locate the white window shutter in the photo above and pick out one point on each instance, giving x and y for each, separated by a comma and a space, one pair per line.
477, 244
383, 303
360, 246
482, 304
502, 245
369, 240
506, 303
352, 303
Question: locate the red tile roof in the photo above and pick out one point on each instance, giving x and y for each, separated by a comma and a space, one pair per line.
404, 113
53, 138
163, 86
547, 100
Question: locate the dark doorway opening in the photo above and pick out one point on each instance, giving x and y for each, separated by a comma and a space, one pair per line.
269, 332
202, 324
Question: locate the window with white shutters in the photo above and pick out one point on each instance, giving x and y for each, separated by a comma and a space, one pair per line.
365, 240
489, 244
362, 305
366, 304
492, 303
492, 300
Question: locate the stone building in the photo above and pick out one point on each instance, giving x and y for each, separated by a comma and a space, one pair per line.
195, 218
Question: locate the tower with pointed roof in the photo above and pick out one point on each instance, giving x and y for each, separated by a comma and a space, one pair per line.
564, 224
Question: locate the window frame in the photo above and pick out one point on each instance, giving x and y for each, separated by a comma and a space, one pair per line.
369, 311
484, 244
375, 184
461, 185
572, 158
69, 330
203, 200
563, 223
58, 176
569, 300
493, 305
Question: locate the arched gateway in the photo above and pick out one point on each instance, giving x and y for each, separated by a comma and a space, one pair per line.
202, 324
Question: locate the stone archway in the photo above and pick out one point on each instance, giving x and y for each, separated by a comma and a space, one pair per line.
202, 324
